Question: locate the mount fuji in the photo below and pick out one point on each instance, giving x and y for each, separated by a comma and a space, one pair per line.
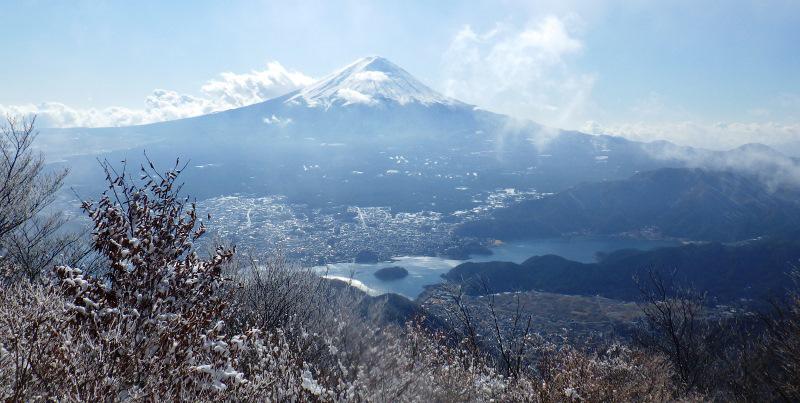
369, 134
369, 81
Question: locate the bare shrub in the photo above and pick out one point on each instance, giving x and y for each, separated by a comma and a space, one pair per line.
272, 292
617, 373
44, 355
157, 307
534, 368
32, 332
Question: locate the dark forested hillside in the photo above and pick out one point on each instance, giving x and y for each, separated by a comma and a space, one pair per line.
672, 202
728, 273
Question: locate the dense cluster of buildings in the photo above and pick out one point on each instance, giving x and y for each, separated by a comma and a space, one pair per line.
337, 234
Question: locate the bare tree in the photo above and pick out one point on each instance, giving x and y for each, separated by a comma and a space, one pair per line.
781, 345
511, 338
505, 335
39, 244
675, 327
26, 189
460, 314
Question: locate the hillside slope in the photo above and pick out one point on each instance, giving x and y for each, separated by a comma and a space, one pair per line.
728, 273
692, 204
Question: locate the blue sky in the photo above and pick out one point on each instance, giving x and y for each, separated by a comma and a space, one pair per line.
711, 73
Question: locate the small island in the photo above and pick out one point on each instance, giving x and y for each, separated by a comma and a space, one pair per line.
391, 273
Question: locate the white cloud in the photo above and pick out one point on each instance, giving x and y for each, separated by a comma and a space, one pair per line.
56, 114
231, 90
720, 135
774, 168
237, 90
354, 97
376, 76
524, 73
277, 121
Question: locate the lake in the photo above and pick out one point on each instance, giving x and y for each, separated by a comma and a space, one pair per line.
425, 270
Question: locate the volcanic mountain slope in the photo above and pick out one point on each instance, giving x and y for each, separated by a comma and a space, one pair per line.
369, 134
371, 81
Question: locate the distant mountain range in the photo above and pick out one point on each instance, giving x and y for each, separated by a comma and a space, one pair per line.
746, 273
371, 134
684, 203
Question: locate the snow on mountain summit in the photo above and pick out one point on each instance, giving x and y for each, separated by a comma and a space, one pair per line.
368, 81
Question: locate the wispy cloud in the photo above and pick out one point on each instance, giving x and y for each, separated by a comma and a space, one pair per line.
229, 90
718, 136
772, 167
522, 72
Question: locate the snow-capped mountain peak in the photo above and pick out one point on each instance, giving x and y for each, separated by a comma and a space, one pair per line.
368, 81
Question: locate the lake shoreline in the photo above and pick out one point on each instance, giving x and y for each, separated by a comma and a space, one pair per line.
424, 271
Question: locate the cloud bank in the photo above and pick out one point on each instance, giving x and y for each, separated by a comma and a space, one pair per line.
236, 90
772, 167
716, 136
230, 90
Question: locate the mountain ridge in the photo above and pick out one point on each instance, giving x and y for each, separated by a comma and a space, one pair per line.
745, 272
687, 203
